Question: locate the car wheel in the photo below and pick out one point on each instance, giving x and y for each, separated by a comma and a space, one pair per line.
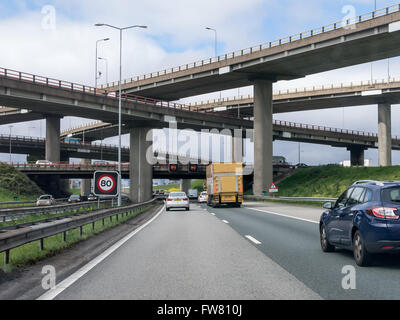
187, 209
361, 254
325, 245
167, 209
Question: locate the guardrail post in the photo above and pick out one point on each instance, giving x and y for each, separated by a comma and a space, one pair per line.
80, 231
7, 257
93, 225
64, 238
41, 245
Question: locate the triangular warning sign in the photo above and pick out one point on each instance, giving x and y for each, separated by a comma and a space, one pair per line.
273, 188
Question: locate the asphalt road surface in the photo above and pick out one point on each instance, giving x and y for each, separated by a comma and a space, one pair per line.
187, 255
260, 251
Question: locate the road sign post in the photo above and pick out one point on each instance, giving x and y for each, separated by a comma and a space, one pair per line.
106, 184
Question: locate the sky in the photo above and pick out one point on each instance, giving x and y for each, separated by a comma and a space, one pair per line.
57, 39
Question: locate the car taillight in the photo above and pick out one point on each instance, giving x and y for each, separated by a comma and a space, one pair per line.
383, 213
186, 199
169, 199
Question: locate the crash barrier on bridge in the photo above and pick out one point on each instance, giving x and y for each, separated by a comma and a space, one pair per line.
15, 213
300, 36
11, 239
313, 199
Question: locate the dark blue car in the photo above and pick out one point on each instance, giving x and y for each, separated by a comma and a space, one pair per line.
365, 219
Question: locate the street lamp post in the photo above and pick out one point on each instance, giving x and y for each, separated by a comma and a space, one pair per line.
106, 60
120, 96
96, 75
216, 52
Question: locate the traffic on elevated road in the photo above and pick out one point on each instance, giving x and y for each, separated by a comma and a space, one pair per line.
160, 187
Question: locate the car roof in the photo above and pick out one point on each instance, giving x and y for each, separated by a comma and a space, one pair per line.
376, 183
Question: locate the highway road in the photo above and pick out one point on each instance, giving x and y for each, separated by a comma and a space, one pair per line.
260, 251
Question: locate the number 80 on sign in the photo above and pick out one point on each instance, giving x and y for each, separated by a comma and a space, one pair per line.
106, 183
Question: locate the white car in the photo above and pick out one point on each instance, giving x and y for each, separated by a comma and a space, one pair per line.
177, 200
203, 197
46, 200
44, 163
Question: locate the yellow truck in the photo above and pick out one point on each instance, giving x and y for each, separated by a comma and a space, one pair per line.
225, 184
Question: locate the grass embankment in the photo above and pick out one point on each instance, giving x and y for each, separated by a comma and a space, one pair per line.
30, 253
330, 181
16, 184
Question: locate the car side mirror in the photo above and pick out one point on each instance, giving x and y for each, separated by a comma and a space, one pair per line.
328, 205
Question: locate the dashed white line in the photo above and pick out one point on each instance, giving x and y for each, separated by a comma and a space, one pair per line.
284, 215
212, 213
224, 221
254, 240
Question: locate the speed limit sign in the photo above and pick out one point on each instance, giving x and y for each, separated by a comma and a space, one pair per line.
106, 183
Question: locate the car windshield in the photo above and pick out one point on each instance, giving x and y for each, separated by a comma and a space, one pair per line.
391, 195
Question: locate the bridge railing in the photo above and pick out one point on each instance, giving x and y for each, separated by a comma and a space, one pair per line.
268, 45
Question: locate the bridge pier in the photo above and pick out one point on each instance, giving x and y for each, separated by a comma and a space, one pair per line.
237, 146
53, 138
186, 185
86, 184
384, 135
140, 167
356, 155
263, 136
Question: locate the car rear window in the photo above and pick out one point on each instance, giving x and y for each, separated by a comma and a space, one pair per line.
178, 195
44, 198
391, 195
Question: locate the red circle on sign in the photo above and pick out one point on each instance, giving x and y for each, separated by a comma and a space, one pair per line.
106, 176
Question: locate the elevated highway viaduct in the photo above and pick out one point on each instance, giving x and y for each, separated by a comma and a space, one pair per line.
363, 39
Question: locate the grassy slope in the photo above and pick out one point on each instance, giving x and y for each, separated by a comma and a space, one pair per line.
14, 183
332, 180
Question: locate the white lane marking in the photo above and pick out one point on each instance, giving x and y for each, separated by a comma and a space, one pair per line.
253, 239
52, 293
224, 221
212, 213
284, 215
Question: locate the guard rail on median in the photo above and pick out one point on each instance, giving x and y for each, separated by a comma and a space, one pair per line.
12, 213
16, 238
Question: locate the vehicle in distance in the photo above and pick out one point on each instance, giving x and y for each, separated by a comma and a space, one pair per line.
365, 219
193, 194
301, 165
75, 198
178, 200
44, 163
92, 197
225, 184
46, 200
203, 197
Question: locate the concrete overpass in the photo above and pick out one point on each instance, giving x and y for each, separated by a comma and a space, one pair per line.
366, 38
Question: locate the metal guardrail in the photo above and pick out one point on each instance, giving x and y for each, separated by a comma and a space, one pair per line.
268, 45
311, 199
16, 238
12, 213
16, 203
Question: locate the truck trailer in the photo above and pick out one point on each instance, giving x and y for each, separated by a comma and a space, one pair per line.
225, 184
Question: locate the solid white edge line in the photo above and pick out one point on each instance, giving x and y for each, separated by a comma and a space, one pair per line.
52, 293
284, 215
253, 239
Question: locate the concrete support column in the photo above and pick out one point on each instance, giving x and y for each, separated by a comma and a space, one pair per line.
186, 185
356, 156
141, 168
263, 136
53, 138
86, 184
237, 146
384, 135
